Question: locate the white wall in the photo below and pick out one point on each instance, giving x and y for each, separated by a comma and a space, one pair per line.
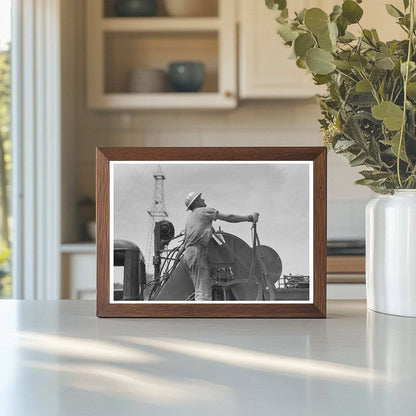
264, 123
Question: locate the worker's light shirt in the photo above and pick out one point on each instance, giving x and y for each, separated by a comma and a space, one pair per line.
198, 228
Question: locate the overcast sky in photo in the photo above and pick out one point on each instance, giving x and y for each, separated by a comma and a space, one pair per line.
279, 192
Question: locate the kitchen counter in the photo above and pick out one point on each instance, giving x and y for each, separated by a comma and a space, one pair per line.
57, 358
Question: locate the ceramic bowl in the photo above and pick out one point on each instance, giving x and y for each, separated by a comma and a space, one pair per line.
147, 80
186, 76
135, 8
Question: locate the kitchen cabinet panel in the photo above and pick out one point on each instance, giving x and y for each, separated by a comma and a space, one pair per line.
265, 70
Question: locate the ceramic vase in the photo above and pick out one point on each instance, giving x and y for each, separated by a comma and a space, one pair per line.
391, 253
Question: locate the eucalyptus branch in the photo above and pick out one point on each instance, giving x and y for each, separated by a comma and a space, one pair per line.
373, 89
377, 122
345, 75
406, 80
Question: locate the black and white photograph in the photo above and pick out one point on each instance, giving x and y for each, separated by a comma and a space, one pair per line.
211, 231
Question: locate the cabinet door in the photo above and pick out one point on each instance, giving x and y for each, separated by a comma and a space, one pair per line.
265, 68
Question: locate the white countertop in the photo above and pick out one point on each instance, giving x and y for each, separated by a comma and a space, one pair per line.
56, 358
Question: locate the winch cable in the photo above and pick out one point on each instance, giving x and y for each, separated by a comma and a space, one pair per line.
260, 290
263, 268
251, 274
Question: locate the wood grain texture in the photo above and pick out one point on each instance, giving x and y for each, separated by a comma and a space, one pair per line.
317, 309
346, 264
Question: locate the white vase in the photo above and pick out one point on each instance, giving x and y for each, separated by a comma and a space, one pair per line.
391, 253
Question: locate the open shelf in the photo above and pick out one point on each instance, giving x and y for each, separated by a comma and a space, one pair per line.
116, 46
127, 51
130, 101
108, 9
160, 24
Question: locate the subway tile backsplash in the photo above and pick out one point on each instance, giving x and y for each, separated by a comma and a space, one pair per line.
264, 123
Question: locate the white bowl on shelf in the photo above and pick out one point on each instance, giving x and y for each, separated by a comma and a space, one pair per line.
147, 80
191, 8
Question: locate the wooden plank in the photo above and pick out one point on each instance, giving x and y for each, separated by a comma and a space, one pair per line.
346, 278
159, 24
346, 264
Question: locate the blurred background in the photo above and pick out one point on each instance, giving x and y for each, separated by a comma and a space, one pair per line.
145, 73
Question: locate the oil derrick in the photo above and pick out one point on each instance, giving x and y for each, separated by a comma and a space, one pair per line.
157, 212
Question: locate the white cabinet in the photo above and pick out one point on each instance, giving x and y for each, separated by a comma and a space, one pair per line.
78, 263
264, 65
117, 45
265, 70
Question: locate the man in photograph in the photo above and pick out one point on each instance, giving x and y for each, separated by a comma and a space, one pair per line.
198, 233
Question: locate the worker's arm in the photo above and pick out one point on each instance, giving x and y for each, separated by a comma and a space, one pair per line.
238, 218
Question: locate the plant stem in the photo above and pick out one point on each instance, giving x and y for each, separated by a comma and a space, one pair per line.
373, 90
406, 80
345, 75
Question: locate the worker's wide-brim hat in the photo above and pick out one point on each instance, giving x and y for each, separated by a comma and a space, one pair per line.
191, 198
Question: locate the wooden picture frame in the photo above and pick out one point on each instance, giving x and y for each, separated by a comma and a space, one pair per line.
315, 308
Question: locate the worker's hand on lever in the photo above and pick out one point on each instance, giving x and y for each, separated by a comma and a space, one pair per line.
254, 217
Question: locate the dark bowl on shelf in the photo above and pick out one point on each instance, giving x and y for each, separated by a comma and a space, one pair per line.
186, 76
135, 8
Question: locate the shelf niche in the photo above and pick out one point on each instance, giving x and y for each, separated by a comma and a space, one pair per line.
109, 6
127, 51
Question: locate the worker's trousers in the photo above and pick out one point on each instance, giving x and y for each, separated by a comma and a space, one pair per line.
196, 263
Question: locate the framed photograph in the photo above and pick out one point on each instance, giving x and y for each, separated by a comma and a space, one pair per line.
211, 232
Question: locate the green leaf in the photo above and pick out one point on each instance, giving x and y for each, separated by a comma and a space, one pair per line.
412, 67
406, 4
390, 113
385, 63
300, 17
364, 181
351, 11
276, 4
286, 32
394, 144
321, 79
363, 86
393, 11
374, 175
284, 14
336, 12
319, 61
358, 61
368, 36
375, 35
343, 145
342, 25
301, 63
358, 160
374, 150
325, 42
316, 20
411, 90
343, 65
347, 37
303, 43
361, 99
333, 32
